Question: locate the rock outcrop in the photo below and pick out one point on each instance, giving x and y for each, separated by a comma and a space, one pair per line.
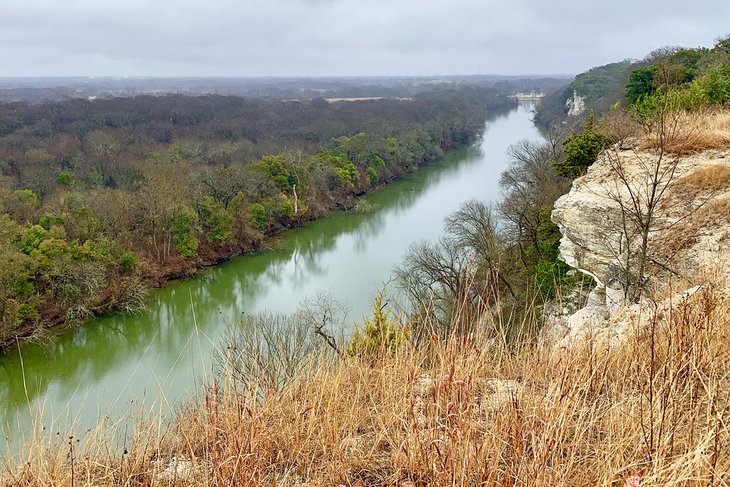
576, 104
689, 232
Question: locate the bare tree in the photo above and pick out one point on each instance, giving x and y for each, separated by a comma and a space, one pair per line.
530, 185
639, 185
269, 349
458, 274
474, 226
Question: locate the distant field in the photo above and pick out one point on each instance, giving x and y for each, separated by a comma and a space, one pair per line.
365, 98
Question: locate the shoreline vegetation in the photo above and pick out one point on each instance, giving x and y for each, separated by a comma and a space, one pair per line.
465, 390
103, 200
464, 385
483, 408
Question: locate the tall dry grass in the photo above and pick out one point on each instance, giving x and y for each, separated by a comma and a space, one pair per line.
692, 132
651, 409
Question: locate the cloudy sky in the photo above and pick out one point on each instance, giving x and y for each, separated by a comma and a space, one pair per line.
342, 37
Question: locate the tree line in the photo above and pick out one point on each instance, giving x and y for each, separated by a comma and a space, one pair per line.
99, 200
695, 72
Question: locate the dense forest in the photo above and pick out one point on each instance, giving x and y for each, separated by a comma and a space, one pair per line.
99, 200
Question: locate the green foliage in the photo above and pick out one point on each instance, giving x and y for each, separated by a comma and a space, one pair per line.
641, 83
215, 220
723, 45
40, 268
184, 230
580, 151
549, 273
548, 276
344, 170
30, 238
128, 262
18, 294
65, 179
92, 250
685, 80
376, 162
48, 220
55, 249
378, 335
23, 287
595, 83
17, 313
710, 89
372, 176
686, 62
258, 213
285, 207
715, 85
600, 86
548, 235
278, 169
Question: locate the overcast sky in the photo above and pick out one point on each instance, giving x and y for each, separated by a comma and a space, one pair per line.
342, 37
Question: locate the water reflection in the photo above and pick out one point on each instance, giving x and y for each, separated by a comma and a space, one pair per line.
95, 370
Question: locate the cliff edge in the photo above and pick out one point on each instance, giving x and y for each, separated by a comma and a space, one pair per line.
650, 224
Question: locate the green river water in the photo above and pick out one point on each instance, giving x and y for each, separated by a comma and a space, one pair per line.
122, 363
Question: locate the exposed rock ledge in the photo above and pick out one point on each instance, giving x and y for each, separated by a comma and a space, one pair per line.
689, 238
576, 105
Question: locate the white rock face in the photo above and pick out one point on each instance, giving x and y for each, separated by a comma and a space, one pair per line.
179, 471
690, 232
576, 105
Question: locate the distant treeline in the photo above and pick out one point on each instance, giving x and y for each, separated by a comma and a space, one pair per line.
37, 90
624, 82
100, 200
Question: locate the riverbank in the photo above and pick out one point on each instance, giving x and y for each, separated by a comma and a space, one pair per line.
87, 247
158, 356
449, 411
179, 267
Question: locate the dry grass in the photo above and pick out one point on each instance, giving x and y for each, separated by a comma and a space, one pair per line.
708, 218
692, 132
704, 181
449, 412
618, 125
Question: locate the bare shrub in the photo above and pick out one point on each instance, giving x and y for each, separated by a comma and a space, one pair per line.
269, 349
618, 126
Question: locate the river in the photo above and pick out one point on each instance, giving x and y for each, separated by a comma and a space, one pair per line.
123, 364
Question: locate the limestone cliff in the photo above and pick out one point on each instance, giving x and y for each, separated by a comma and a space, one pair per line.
575, 105
689, 232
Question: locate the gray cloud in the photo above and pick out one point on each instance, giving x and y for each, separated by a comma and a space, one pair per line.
342, 37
